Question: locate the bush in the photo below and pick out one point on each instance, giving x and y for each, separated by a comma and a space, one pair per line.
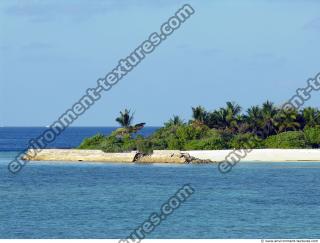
175, 144
286, 140
144, 146
191, 137
174, 137
157, 144
92, 142
164, 132
312, 135
190, 132
205, 144
112, 144
246, 140
214, 142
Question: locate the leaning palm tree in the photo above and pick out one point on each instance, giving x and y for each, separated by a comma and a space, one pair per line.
125, 119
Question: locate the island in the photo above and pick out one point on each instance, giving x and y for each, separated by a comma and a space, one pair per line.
266, 133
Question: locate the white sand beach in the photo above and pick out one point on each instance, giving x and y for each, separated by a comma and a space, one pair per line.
163, 156
261, 155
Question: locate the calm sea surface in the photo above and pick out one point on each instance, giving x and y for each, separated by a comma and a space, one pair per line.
95, 200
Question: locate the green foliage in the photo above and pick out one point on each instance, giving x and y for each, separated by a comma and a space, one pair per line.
174, 121
174, 144
145, 145
92, 142
311, 116
247, 140
211, 143
287, 120
199, 114
125, 118
190, 132
112, 144
286, 140
312, 135
265, 126
224, 118
189, 137
175, 137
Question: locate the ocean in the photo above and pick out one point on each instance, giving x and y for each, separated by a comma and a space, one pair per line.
17, 138
96, 200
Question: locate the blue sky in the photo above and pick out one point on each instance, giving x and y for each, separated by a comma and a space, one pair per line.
242, 51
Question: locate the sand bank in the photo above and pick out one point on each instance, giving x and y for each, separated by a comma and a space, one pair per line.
176, 156
80, 155
261, 155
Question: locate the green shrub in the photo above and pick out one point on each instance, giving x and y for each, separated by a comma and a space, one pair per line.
164, 132
174, 144
174, 137
204, 144
191, 137
112, 144
214, 142
92, 142
286, 140
144, 146
157, 144
191, 132
312, 135
246, 140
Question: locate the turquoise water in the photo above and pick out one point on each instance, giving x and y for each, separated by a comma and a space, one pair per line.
72, 200
92, 200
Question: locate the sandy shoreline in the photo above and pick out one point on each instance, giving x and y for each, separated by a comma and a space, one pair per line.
178, 157
261, 155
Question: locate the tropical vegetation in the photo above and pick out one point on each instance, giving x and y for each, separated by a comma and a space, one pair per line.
265, 126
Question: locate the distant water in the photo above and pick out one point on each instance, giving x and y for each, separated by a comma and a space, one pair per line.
96, 200
17, 138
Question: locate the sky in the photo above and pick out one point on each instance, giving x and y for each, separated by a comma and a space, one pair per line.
245, 51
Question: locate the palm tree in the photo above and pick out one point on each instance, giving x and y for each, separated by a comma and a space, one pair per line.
269, 112
232, 113
225, 118
311, 116
174, 121
215, 120
253, 118
221, 118
287, 120
125, 119
199, 114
